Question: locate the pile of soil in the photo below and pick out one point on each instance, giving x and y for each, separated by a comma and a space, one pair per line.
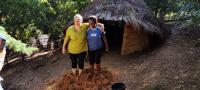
87, 81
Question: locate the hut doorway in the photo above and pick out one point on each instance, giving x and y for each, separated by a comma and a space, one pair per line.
114, 34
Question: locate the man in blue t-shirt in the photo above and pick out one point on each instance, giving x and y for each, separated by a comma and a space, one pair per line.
95, 43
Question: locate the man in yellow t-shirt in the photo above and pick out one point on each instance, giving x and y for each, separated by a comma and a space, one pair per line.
76, 42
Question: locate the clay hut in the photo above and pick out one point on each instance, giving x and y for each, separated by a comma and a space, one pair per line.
129, 24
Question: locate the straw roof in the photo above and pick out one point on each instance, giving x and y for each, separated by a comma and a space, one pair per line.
134, 12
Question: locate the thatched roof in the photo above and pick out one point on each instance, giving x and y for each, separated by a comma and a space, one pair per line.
135, 12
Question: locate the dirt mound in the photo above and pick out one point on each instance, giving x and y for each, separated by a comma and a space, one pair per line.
87, 81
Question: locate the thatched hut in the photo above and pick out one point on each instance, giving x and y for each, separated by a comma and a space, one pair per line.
130, 24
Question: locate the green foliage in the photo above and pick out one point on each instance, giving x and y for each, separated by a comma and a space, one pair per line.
31, 31
26, 18
191, 10
17, 45
187, 11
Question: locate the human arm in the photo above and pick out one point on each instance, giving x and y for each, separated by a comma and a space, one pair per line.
66, 40
105, 40
106, 43
101, 26
98, 24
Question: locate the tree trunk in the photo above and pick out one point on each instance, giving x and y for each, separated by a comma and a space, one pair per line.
50, 43
162, 14
38, 44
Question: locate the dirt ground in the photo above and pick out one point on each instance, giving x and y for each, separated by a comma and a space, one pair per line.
173, 66
86, 81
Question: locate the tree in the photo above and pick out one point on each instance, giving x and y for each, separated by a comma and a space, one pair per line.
187, 11
29, 18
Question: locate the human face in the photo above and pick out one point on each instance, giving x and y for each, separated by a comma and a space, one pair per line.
93, 25
77, 21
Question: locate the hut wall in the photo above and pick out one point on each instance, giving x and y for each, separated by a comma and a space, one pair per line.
134, 40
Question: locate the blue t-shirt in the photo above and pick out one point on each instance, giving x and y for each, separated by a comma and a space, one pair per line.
94, 38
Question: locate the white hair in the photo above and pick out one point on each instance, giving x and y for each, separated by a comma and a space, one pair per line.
78, 16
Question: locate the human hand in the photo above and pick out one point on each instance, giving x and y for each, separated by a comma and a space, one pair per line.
63, 50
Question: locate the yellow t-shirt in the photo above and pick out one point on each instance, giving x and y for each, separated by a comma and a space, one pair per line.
77, 40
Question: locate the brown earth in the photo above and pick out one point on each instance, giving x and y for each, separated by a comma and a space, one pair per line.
86, 81
174, 65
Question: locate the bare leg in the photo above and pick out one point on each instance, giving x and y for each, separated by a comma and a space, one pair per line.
74, 71
98, 68
80, 71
